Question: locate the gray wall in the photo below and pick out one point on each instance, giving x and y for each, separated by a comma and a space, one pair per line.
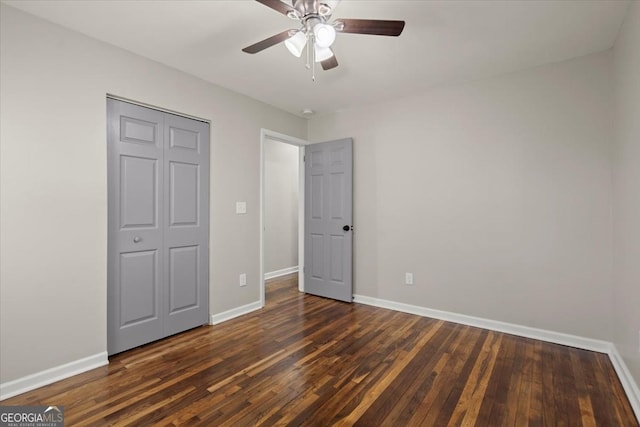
627, 191
496, 194
53, 240
500, 195
281, 206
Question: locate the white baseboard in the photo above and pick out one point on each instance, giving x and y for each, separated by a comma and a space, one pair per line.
494, 325
628, 383
48, 376
235, 312
282, 272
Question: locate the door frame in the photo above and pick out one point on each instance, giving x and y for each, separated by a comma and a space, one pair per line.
300, 143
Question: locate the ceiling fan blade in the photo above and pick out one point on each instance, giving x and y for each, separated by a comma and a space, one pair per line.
273, 40
276, 5
374, 27
330, 63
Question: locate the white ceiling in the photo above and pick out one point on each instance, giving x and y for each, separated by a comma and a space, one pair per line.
443, 42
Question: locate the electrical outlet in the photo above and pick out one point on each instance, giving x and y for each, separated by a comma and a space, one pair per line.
408, 278
243, 279
241, 207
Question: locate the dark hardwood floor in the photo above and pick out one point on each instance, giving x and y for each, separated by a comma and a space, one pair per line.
305, 360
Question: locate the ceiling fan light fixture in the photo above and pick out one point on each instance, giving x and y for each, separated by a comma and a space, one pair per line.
322, 53
324, 35
296, 43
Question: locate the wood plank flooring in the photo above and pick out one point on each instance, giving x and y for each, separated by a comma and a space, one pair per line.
305, 360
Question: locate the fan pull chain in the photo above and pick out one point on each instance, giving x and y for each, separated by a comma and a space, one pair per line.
309, 41
311, 45
313, 66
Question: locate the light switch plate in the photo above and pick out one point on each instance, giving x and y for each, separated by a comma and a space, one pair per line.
241, 207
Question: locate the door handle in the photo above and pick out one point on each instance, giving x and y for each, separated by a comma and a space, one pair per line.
137, 239
347, 227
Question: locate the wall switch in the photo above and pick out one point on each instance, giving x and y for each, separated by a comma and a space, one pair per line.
241, 207
408, 278
243, 279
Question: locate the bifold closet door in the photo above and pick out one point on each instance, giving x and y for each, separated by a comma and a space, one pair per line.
158, 172
186, 231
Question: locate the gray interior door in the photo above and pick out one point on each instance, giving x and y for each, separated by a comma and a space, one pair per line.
328, 219
186, 231
158, 190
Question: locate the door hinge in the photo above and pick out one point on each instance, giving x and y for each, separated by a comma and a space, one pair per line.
304, 158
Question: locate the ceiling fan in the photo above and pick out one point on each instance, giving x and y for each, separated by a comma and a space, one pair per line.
317, 33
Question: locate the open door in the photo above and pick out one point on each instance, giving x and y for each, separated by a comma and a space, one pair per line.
328, 238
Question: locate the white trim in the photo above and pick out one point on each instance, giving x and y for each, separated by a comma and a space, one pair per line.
628, 383
235, 312
271, 134
494, 325
301, 190
154, 107
281, 272
51, 375
261, 261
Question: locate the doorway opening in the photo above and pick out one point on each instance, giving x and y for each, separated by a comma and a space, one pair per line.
281, 208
